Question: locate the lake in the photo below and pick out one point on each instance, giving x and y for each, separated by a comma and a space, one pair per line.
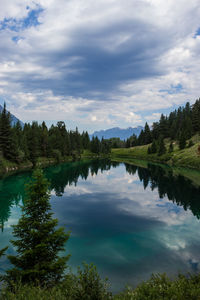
127, 220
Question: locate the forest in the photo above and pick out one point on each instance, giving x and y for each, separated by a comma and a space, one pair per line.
19, 144
27, 143
180, 125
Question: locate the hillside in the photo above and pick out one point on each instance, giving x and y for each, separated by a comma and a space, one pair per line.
117, 132
187, 157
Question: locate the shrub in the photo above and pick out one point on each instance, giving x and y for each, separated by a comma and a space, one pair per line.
161, 287
57, 155
190, 144
90, 285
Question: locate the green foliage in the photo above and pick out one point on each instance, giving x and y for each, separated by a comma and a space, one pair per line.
37, 242
86, 285
180, 125
95, 145
90, 285
190, 144
161, 147
57, 155
153, 148
171, 147
158, 287
161, 287
7, 145
34, 141
182, 140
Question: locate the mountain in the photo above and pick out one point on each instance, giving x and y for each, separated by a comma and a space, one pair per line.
13, 118
117, 132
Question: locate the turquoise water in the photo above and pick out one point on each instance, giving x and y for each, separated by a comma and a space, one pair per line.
128, 221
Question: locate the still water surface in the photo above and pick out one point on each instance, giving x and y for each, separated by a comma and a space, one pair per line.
127, 220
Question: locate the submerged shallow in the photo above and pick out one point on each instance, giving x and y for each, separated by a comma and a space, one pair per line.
129, 221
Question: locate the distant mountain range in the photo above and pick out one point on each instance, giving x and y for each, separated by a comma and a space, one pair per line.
117, 132
13, 118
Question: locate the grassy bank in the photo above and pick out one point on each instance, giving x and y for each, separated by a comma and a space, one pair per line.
188, 157
8, 167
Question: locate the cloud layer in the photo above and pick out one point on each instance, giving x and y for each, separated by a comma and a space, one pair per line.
98, 64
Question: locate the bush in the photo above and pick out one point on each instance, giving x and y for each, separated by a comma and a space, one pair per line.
190, 144
90, 285
161, 287
86, 285
57, 155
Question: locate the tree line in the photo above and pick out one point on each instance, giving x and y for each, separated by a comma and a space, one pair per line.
19, 144
180, 125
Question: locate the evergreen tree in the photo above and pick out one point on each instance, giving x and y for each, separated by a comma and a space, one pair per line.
190, 144
149, 151
163, 128
95, 145
162, 148
147, 134
171, 148
7, 145
196, 116
154, 147
182, 140
141, 138
38, 240
44, 140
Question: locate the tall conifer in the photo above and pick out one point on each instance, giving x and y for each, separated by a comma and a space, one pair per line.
38, 241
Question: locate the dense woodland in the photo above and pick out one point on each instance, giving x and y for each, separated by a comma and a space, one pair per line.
180, 125
28, 143
19, 144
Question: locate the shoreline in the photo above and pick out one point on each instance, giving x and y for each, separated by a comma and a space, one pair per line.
186, 158
8, 168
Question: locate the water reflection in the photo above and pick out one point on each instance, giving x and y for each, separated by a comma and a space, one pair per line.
176, 187
120, 217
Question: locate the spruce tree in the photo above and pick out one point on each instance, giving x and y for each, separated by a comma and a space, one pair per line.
6, 138
171, 148
182, 140
162, 148
149, 150
147, 134
154, 147
38, 241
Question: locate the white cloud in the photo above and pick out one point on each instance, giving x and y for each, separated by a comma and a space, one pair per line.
100, 60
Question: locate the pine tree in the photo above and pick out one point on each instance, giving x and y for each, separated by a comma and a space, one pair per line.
147, 134
162, 148
171, 148
154, 147
196, 116
149, 151
6, 137
38, 240
182, 140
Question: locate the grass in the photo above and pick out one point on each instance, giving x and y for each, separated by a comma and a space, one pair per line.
187, 157
9, 167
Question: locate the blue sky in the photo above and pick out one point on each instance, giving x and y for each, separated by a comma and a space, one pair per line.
98, 64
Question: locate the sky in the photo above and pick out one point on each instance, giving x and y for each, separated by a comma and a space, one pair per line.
98, 64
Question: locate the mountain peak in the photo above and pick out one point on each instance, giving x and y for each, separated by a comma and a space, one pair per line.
117, 132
